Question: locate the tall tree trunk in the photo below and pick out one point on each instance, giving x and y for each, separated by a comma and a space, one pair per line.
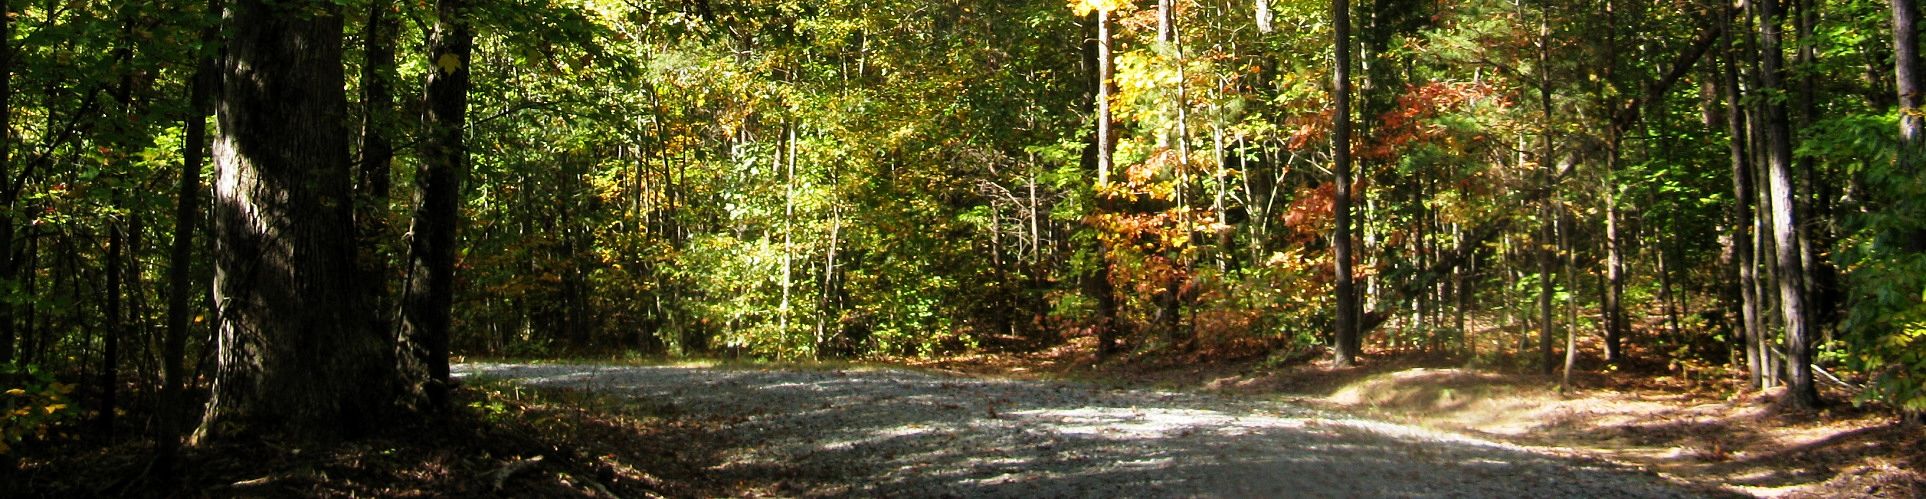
1348, 338
1546, 233
1668, 296
1166, 21
1105, 142
8, 261
1567, 246
1263, 16
114, 327
1744, 239
114, 322
1465, 277
296, 355
1763, 250
788, 227
1909, 78
1098, 283
426, 313
1814, 233
1173, 314
1785, 216
1614, 299
1542, 247
373, 179
187, 211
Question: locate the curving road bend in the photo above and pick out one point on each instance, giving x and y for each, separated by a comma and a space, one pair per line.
890, 432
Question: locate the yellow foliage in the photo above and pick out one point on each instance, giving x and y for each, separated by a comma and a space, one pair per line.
449, 63
1085, 7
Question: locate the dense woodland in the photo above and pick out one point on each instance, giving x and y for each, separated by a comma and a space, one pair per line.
235, 217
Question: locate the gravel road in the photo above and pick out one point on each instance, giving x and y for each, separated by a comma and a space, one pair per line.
889, 432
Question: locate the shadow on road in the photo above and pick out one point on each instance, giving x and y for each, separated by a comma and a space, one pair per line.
901, 433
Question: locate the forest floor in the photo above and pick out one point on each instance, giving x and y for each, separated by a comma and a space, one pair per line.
1693, 426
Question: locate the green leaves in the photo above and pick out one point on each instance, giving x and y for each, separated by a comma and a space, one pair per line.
33, 405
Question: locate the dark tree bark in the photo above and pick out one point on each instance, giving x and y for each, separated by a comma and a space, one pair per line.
1785, 212
296, 355
1547, 234
1744, 239
1347, 338
1763, 251
114, 323
1614, 299
373, 179
1106, 141
1547, 362
8, 262
426, 314
111, 332
187, 211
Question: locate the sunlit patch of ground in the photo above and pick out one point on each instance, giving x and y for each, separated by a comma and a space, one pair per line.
894, 432
1698, 426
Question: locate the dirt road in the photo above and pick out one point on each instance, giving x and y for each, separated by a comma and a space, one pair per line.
888, 432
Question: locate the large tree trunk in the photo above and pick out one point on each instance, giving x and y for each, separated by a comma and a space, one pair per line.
1348, 339
296, 355
431, 252
1785, 216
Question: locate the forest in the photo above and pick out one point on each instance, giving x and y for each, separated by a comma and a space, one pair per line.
240, 227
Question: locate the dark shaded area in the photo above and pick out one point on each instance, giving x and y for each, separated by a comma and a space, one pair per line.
459, 456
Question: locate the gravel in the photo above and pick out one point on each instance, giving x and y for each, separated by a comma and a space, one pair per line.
891, 432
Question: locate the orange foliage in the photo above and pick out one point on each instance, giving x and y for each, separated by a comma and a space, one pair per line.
1308, 130
1312, 212
1409, 121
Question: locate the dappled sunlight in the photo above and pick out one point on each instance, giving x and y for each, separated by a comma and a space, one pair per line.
1114, 422
897, 432
1742, 443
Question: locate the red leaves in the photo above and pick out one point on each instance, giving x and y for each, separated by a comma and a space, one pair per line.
1308, 131
1409, 122
1312, 212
